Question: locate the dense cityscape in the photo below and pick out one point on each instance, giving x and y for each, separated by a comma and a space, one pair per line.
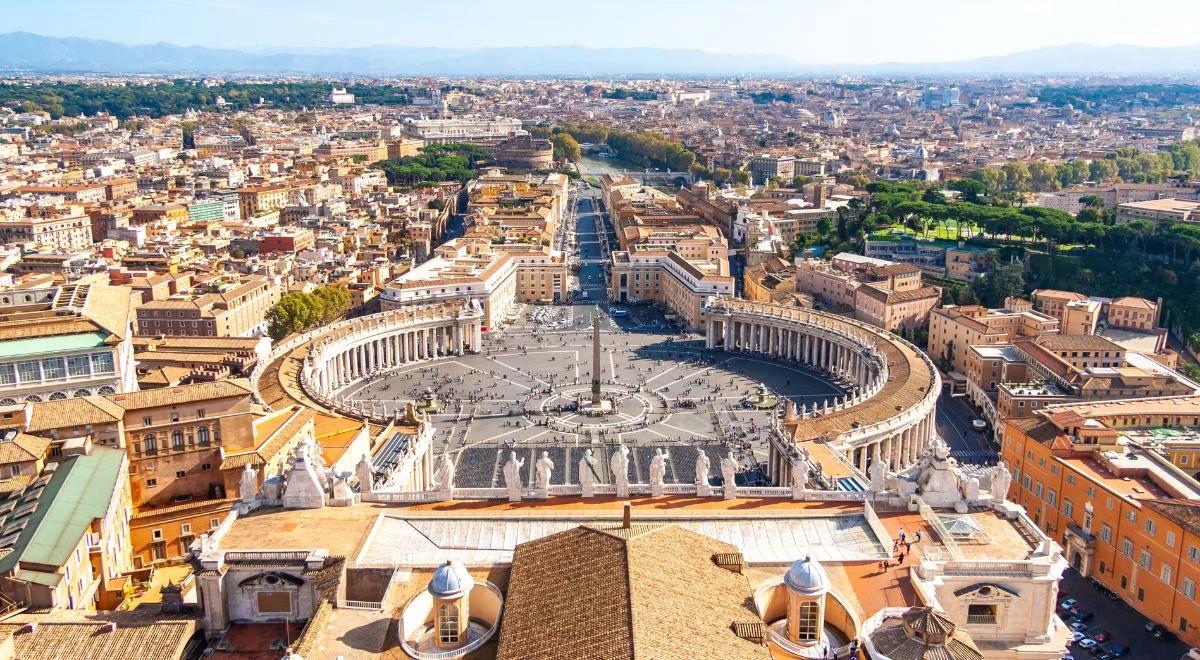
356, 365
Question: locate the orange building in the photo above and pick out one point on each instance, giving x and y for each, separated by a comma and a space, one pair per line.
1095, 478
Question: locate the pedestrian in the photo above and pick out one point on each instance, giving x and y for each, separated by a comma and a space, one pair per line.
900, 562
918, 536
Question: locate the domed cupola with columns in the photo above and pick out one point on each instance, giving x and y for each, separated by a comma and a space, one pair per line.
451, 611
807, 586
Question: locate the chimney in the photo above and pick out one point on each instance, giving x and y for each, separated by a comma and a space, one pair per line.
625, 515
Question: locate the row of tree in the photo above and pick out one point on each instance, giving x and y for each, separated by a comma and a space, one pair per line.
302, 311
639, 147
165, 98
1128, 165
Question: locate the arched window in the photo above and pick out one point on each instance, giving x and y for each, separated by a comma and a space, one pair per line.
448, 623
58, 396
808, 628
177, 439
202, 432
107, 389
150, 443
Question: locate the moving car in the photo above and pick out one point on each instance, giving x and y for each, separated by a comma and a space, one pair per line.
978, 424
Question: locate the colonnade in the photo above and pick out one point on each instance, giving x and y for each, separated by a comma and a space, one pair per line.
799, 344
849, 350
386, 343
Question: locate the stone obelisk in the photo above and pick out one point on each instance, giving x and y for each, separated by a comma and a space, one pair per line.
596, 360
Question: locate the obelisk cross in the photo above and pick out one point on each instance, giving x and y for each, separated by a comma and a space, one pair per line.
596, 359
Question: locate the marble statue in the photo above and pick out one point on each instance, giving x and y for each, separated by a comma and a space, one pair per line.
248, 486
366, 474
799, 477
938, 478
703, 469
587, 473
877, 472
1001, 480
542, 470
444, 478
658, 466
729, 470
619, 463
512, 476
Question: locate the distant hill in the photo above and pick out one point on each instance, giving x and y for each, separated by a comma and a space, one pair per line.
31, 52
1067, 58
22, 51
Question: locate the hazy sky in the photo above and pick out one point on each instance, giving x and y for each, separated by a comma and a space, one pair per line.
810, 31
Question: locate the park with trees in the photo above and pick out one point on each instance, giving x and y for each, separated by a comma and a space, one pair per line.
435, 163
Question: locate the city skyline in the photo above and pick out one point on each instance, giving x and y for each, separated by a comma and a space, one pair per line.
809, 34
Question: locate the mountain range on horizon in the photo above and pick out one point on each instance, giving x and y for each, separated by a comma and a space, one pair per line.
27, 52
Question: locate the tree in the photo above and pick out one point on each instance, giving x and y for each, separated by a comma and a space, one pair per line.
970, 189
565, 147
302, 311
1006, 280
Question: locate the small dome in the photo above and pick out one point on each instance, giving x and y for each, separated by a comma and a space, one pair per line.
807, 577
451, 580
921, 153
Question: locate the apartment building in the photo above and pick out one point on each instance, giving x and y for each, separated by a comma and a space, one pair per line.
1082, 314
650, 273
889, 295
57, 229
254, 201
66, 538
955, 328
1092, 477
461, 269
237, 309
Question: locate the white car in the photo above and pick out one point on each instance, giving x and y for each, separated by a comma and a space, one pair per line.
978, 424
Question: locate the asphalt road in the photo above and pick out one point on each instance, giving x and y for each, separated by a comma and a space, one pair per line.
1125, 623
967, 445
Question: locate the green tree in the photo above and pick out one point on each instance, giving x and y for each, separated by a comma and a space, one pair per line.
565, 147
1004, 281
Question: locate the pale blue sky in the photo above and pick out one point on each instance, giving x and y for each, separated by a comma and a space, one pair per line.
811, 31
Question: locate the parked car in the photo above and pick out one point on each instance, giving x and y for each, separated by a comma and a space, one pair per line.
1082, 615
1119, 650
1087, 643
1102, 636
1164, 635
1068, 603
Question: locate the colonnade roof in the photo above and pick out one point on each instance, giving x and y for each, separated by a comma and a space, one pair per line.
910, 374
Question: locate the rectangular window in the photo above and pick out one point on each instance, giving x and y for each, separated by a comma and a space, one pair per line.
1150, 526
1170, 539
1068, 508
78, 365
8, 374
185, 528
1193, 553
1127, 547
54, 368
151, 483
102, 363
1144, 559
1106, 533
1164, 573
1189, 588
29, 371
